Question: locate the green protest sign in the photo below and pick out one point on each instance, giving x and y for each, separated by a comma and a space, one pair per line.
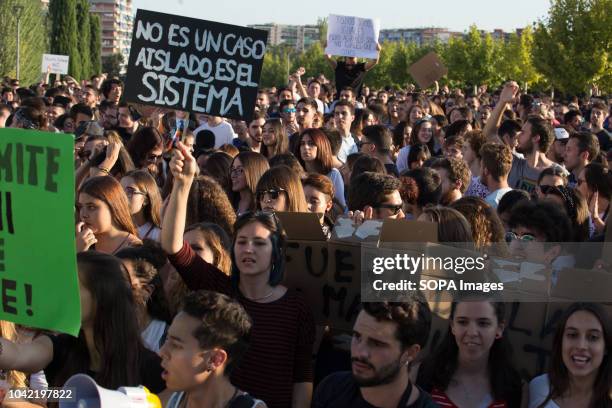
38, 274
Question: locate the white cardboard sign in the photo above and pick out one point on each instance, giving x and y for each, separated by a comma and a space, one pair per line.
352, 36
57, 64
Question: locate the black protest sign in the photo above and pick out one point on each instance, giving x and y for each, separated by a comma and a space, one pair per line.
194, 65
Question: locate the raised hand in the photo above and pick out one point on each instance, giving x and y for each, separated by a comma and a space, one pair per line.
183, 165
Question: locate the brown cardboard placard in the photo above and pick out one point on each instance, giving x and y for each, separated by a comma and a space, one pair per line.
427, 70
303, 226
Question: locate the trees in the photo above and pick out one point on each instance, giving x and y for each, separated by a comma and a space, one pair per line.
33, 41
84, 37
516, 59
63, 35
572, 46
112, 65
95, 39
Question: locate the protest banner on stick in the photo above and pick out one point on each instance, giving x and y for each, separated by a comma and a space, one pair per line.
55, 63
194, 65
38, 274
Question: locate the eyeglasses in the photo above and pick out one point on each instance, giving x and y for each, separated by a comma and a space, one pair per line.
546, 189
363, 143
238, 171
395, 208
289, 110
153, 158
511, 236
130, 192
273, 193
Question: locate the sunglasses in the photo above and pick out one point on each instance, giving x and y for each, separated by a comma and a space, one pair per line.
130, 192
395, 208
289, 110
546, 189
272, 193
511, 236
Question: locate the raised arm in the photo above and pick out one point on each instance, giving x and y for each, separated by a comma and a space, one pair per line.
28, 358
372, 63
183, 168
507, 96
332, 62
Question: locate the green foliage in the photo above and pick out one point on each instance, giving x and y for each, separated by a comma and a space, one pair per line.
572, 46
96, 43
84, 37
516, 59
33, 41
64, 33
112, 65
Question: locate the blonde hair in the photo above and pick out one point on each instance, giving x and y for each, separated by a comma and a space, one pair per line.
8, 331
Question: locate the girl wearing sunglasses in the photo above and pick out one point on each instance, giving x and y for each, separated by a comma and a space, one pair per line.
277, 367
280, 189
316, 157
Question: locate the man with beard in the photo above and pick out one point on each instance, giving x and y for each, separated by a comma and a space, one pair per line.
306, 110
349, 72
455, 176
556, 152
495, 163
534, 140
387, 338
581, 149
255, 131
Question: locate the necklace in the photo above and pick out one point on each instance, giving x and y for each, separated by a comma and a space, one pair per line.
121, 244
261, 298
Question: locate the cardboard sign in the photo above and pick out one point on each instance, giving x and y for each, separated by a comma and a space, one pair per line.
328, 273
427, 70
352, 36
38, 274
194, 65
57, 64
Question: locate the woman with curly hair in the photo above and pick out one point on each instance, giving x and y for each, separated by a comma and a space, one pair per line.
487, 228
208, 203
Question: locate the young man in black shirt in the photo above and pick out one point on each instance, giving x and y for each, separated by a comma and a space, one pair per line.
348, 72
387, 338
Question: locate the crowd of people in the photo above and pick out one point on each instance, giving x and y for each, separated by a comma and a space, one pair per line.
181, 259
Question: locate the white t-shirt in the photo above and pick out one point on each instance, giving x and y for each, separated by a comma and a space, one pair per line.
495, 197
402, 159
336, 179
149, 231
153, 334
224, 133
539, 388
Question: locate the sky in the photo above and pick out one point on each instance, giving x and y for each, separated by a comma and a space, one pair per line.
456, 15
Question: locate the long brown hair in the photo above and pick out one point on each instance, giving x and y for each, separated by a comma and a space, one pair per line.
557, 371
281, 142
208, 202
283, 177
146, 183
254, 165
108, 190
486, 226
323, 162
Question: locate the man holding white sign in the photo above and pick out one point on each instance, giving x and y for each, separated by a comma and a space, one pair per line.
352, 37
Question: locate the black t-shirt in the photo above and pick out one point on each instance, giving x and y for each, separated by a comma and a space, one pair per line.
339, 390
349, 77
392, 169
150, 365
605, 140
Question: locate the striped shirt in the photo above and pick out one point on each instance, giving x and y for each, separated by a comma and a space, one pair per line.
281, 340
440, 398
